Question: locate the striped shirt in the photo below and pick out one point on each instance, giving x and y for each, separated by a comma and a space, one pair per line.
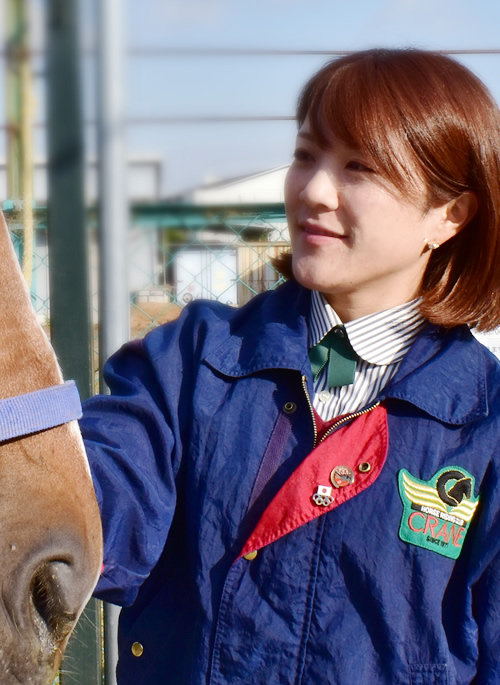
380, 340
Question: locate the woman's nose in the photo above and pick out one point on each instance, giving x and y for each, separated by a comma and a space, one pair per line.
320, 190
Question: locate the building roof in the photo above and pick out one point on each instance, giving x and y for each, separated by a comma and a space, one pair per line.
257, 188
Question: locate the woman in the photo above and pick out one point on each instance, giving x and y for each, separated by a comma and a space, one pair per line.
254, 536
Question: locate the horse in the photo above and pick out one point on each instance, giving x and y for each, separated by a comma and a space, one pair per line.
50, 536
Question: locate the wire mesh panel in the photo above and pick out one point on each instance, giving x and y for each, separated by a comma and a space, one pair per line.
40, 269
180, 253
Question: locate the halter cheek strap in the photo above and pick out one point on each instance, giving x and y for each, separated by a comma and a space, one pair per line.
39, 410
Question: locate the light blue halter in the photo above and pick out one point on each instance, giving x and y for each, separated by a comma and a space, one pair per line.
39, 410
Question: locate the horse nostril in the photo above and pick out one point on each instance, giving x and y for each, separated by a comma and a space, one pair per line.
51, 598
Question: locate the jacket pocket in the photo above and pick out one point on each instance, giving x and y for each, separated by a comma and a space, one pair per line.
429, 674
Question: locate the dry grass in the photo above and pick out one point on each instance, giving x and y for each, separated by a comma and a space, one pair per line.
143, 316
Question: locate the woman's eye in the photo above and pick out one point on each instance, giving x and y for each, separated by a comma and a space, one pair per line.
301, 155
358, 166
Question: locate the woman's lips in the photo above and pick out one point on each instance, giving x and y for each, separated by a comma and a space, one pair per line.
316, 233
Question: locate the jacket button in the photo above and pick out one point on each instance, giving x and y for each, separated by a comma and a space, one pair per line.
250, 556
137, 649
289, 407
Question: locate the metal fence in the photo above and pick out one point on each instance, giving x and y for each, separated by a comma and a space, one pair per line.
180, 253
177, 253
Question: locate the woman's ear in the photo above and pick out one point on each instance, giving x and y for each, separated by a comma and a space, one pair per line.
459, 212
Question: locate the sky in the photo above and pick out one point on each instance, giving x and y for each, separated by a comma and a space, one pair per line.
190, 86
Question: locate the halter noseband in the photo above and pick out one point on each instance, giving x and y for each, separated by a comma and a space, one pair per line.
39, 410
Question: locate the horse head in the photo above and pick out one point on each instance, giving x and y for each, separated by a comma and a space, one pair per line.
50, 535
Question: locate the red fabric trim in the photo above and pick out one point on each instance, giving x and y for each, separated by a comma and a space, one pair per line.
365, 439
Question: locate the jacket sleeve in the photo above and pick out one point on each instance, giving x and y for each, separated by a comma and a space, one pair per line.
486, 580
132, 441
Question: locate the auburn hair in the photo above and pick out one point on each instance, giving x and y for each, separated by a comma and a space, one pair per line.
423, 117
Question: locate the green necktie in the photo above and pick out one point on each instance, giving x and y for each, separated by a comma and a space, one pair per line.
336, 351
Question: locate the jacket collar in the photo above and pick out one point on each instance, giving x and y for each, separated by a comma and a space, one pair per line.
270, 332
443, 374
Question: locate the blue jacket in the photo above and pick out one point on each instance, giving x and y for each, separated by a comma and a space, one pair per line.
206, 451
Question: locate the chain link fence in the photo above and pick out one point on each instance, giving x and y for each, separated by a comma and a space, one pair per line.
177, 253
182, 253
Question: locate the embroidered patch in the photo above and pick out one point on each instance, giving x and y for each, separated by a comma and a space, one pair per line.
437, 512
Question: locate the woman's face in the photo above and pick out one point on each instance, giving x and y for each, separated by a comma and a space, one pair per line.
354, 238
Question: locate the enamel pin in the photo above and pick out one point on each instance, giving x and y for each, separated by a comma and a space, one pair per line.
342, 476
323, 496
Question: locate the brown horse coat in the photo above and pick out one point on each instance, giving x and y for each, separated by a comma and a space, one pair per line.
50, 537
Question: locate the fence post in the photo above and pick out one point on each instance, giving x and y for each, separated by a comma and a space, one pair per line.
71, 332
114, 299
20, 107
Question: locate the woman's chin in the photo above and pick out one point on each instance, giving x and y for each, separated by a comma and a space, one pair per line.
310, 276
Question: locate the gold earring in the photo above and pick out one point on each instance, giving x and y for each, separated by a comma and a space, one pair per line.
433, 245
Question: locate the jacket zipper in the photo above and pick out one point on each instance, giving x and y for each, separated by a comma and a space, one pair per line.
337, 424
306, 393
346, 418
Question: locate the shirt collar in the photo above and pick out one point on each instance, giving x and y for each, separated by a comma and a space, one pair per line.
444, 373
381, 338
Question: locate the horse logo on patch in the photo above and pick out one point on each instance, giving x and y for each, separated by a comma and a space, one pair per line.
437, 512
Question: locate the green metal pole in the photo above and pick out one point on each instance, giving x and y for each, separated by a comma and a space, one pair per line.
69, 292
71, 329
